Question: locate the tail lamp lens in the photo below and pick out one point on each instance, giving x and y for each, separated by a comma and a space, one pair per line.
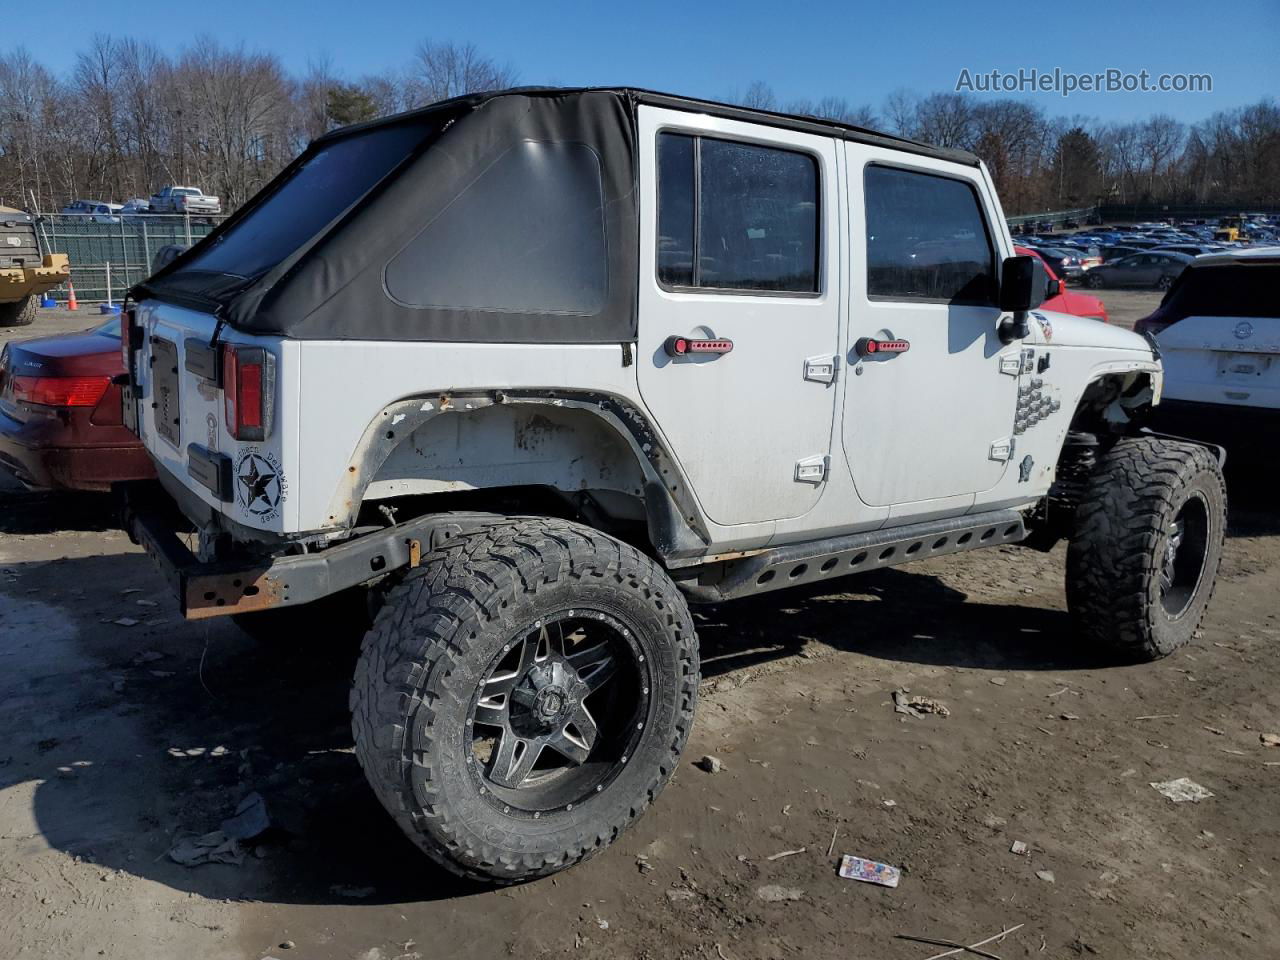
60, 391
248, 390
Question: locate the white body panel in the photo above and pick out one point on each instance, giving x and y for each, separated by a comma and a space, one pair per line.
909, 439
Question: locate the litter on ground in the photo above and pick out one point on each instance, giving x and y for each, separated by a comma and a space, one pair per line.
869, 871
1183, 790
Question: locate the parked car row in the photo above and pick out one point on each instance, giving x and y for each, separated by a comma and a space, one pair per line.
1147, 254
170, 199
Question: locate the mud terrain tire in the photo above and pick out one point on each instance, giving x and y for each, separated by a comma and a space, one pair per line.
449, 630
19, 313
1147, 543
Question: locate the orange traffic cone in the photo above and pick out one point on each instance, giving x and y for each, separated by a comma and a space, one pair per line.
71, 296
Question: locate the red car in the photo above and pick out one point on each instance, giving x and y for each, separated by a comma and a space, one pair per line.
60, 423
1068, 301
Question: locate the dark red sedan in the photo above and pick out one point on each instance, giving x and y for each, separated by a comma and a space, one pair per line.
60, 423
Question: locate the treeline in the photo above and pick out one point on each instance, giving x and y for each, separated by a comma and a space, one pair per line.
129, 118
1054, 163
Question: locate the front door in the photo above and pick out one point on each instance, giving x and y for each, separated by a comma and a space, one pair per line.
739, 240
927, 419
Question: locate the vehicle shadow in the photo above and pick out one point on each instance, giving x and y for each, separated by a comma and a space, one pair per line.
895, 615
1251, 501
29, 514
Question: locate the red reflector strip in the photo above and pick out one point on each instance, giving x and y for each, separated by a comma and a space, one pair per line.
868, 346
710, 346
680, 346
60, 391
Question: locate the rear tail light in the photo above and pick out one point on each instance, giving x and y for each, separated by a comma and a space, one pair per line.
248, 391
60, 391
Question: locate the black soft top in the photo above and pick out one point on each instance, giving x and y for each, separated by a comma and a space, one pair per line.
505, 217
715, 108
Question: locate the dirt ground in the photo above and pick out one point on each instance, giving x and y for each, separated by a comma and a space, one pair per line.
125, 728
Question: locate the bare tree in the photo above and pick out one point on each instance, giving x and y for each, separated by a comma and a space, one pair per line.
444, 70
900, 111
759, 96
1159, 139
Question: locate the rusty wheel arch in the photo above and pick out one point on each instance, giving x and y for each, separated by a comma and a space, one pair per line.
676, 525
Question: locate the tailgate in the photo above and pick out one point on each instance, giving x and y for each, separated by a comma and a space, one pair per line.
181, 417
1227, 360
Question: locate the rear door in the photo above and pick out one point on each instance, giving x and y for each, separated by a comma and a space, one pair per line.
740, 235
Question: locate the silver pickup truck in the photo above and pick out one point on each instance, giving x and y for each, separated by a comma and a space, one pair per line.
184, 200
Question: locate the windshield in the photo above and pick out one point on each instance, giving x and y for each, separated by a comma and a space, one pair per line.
329, 182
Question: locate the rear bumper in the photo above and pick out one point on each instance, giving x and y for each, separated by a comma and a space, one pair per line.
218, 589
38, 456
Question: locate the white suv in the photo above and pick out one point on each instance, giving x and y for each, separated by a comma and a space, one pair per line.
1218, 330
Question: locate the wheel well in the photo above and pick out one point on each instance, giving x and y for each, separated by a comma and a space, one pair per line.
591, 460
1114, 404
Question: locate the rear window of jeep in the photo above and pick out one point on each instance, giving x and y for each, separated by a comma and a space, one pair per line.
1238, 290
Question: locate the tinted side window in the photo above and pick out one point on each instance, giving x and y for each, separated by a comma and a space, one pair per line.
675, 209
735, 216
526, 236
926, 239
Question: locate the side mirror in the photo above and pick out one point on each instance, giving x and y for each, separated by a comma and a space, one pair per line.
1054, 287
1023, 284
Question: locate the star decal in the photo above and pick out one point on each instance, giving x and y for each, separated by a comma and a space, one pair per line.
256, 482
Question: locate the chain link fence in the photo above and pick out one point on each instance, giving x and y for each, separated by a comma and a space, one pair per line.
110, 254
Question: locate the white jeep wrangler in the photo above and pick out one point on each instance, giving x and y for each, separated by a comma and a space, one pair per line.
521, 374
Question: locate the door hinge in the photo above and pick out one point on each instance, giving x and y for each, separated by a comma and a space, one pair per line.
1001, 449
820, 369
811, 470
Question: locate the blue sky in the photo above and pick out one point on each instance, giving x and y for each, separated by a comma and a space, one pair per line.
857, 50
